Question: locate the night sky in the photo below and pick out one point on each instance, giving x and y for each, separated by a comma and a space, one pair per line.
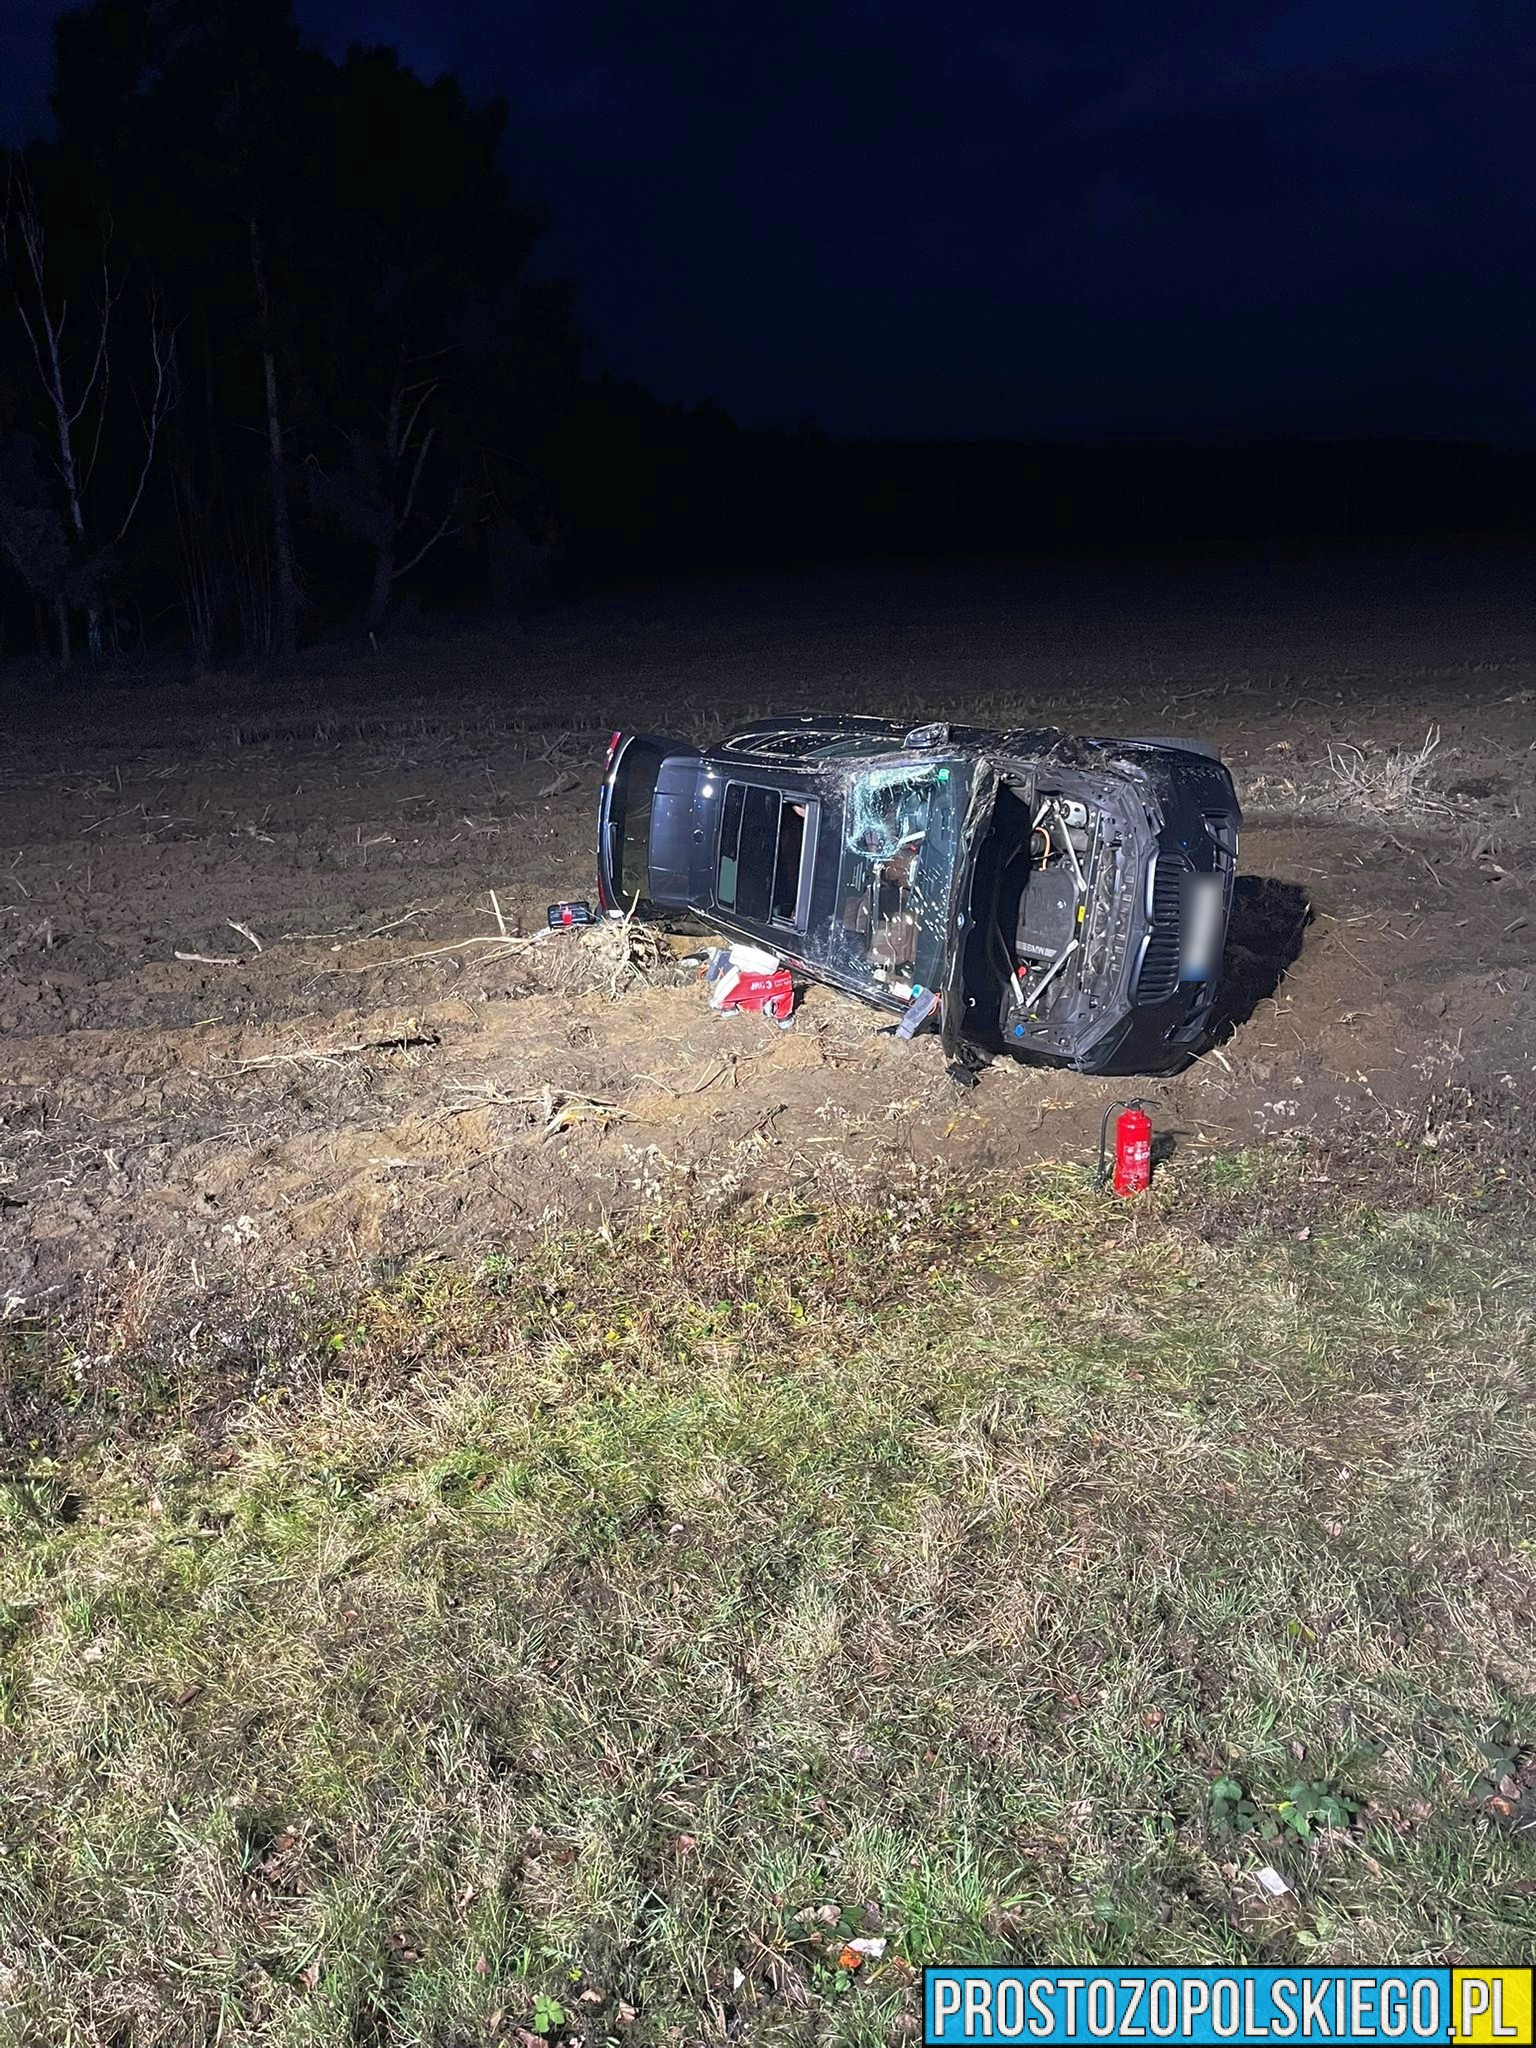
915, 218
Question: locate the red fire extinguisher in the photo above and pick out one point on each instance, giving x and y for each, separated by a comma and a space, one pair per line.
1133, 1147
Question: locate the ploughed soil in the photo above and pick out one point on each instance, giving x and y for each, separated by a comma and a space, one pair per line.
265, 1004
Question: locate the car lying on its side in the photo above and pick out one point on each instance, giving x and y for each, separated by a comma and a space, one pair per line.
1064, 898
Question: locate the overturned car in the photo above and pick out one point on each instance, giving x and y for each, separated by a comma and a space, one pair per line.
1064, 898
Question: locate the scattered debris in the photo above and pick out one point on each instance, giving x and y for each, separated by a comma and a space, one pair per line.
556, 1109
748, 978
501, 938
402, 1041
922, 1006
565, 1110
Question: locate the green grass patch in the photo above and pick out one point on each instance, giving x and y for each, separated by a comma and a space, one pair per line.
597, 1642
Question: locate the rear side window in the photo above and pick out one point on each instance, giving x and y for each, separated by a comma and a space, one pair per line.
788, 862
755, 853
765, 844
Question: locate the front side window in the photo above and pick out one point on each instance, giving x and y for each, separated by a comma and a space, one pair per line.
899, 849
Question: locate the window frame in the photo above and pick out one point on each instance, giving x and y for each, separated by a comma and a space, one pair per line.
799, 919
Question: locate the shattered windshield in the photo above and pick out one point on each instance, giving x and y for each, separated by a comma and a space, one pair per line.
900, 835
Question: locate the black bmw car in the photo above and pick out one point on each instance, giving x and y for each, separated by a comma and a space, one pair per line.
1064, 898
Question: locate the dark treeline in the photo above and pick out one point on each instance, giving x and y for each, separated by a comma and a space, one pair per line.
271, 342
644, 487
272, 360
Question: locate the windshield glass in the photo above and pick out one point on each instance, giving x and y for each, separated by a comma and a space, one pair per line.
900, 834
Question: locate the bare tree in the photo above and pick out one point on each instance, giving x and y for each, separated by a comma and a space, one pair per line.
377, 493
405, 457
76, 399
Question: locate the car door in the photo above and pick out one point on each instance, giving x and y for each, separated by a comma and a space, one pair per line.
645, 825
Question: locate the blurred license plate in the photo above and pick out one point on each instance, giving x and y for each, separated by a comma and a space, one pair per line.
1201, 929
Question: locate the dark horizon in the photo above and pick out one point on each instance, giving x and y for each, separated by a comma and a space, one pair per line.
351, 335
1300, 226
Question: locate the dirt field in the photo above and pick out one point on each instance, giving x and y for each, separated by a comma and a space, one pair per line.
257, 1011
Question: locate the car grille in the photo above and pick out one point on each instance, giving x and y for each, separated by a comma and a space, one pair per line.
1158, 976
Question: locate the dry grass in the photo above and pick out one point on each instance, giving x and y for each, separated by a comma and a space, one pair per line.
1397, 789
565, 1629
1392, 782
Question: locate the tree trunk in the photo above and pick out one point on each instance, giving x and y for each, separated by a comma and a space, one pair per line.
44, 330
68, 473
384, 553
282, 526
383, 582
